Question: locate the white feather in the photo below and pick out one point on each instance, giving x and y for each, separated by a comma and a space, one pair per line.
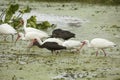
72, 44
101, 43
7, 29
60, 42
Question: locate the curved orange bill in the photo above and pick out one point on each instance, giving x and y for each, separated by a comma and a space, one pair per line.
83, 43
17, 38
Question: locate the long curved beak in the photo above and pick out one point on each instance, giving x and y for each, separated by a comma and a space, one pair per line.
18, 37
83, 43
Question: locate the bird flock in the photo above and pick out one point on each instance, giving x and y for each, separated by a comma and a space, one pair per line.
59, 40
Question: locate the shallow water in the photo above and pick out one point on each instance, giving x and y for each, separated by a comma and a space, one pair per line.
16, 63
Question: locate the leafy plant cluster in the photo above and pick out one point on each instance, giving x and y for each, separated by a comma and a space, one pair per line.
32, 22
15, 20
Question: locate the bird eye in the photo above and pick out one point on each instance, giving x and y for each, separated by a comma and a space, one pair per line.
35, 39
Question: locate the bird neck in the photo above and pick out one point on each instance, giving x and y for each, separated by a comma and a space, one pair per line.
39, 41
24, 26
88, 43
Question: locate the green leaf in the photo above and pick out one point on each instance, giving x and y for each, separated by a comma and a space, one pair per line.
45, 25
27, 9
32, 21
16, 22
10, 11
1, 21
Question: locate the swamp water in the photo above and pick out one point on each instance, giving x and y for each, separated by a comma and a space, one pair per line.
87, 22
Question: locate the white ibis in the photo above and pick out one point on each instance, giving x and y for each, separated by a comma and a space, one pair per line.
31, 33
30, 29
30, 36
64, 34
99, 43
72, 44
7, 30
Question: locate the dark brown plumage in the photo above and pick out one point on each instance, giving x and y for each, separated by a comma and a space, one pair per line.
52, 46
64, 34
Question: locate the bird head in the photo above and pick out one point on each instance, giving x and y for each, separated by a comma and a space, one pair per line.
35, 42
85, 41
21, 21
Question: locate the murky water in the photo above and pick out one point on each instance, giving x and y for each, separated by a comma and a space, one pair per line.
87, 22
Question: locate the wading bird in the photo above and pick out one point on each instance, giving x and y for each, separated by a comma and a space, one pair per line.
51, 44
72, 44
31, 33
64, 34
99, 43
30, 29
6, 29
30, 36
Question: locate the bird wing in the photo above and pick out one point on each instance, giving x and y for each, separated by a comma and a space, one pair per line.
101, 43
54, 40
29, 29
72, 44
7, 29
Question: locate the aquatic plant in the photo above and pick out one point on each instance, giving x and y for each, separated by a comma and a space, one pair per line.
32, 22
9, 15
15, 20
10, 11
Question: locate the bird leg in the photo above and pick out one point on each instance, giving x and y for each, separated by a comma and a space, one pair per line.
96, 53
52, 52
12, 37
5, 38
57, 52
103, 51
77, 50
